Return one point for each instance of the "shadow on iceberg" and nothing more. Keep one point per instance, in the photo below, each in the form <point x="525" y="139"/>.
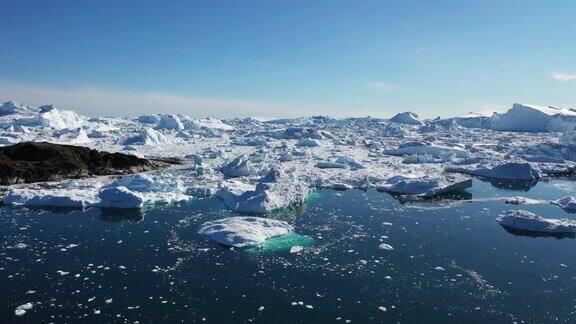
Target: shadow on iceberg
<point x="448" y="196"/>
<point x="526" y="233"/>
<point x="117" y="215"/>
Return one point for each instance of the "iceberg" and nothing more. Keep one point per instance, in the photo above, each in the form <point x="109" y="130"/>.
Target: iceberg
<point x="239" y="167"/>
<point x="244" y="231"/>
<point x="531" y="118"/>
<point x="276" y="190"/>
<point x="527" y="221"/>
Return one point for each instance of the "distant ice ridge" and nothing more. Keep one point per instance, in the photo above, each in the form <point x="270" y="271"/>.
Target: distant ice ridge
<point x="408" y="118"/>
<point x="12" y="113"/>
<point x="443" y="153"/>
<point x="274" y="191"/>
<point x="527" y="221"/>
<point x="244" y="231"/>
<point x="130" y="192"/>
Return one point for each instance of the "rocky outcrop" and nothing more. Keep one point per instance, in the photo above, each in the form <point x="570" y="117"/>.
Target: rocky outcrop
<point x="42" y="161"/>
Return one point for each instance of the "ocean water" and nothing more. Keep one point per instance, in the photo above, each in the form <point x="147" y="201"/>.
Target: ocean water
<point x="451" y="263"/>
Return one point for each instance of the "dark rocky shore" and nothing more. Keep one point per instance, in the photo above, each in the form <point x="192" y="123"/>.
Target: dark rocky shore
<point x="42" y="161"/>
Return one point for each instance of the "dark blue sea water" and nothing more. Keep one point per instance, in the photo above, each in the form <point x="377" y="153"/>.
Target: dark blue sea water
<point x="451" y="263"/>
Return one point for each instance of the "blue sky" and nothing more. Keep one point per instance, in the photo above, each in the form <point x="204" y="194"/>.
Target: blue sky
<point x="287" y="58"/>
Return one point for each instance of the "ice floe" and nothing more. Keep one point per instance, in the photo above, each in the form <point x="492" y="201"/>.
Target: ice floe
<point x="244" y="231"/>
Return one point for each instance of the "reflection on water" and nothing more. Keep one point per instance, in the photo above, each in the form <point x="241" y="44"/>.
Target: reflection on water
<point x="526" y="233"/>
<point x="517" y="185"/>
<point x="367" y="257"/>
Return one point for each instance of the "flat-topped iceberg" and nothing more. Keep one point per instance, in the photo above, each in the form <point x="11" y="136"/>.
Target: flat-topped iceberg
<point x="276" y="190"/>
<point x="522" y="171"/>
<point x="424" y="186"/>
<point x="244" y="231"/>
<point x="527" y="221"/>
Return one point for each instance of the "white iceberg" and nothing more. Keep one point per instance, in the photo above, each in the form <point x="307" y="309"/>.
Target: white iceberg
<point x="527" y="221"/>
<point x="244" y="231"/>
<point x="531" y="118"/>
<point x="276" y="190"/>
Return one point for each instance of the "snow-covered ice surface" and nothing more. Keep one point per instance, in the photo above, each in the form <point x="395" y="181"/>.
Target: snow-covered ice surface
<point x="230" y="157"/>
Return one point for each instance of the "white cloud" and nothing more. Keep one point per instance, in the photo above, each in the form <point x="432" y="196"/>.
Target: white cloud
<point x="563" y="76"/>
<point x="95" y="101"/>
<point x="382" y="86"/>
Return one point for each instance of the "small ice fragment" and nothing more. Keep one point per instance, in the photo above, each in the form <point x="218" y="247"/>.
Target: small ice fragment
<point x="296" y="249"/>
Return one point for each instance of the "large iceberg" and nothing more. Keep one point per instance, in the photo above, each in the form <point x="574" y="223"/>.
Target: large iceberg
<point x="244" y="231"/>
<point x="532" y="118"/>
<point x="527" y="221"/>
<point x="276" y="190"/>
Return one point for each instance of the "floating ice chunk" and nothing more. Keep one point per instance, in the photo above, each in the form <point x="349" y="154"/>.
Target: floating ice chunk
<point x="425" y="186"/>
<point x="439" y="269"/>
<point x="508" y="171"/>
<point x="276" y="190"/>
<point x="525" y="220"/>
<point x="408" y="118"/>
<point x="170" y="122"/>
<point x="21" y="310"/>
<point x="296" y="249"/>
<point x="436" y="151"/>
<point x="148" y="136"/>
<point x="244" y="231"/>
<point x="386" y="247"/>
<point x="567" y="203"/>
<point x="239" y="167"/>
